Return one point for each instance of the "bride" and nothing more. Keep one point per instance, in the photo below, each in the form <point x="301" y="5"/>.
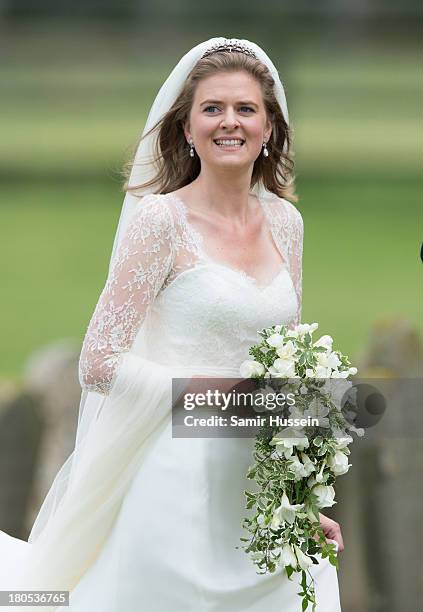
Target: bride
<point x="208" y="251"/>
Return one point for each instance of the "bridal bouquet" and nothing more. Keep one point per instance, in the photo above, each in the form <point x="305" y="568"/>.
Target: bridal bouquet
<point x="295" y="466"/>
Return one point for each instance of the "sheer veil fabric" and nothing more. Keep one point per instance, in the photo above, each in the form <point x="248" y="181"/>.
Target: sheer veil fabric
<point x="125" y="394"/>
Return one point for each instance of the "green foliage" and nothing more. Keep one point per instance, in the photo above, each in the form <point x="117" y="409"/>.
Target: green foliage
<point x="283" y="524"/>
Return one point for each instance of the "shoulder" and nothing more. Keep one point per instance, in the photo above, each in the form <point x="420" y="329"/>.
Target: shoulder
<point x="153" y="213"/>
<point x="150" y="219"/>
<point x="295" y="216"/>
<point x="292" y="212"/>
<point x="285" y="211"/>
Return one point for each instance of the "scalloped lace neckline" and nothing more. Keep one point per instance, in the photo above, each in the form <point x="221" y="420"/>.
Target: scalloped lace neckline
<point x="200" y="243"/>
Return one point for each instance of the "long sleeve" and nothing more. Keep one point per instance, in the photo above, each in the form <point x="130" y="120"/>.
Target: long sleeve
<point x="135" y="403"/>
<point x="296" y="256"/>
<point x="143" y="262"/>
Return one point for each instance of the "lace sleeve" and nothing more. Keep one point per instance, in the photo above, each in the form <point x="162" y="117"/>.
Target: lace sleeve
<point x="143" y="261"/>
<point x="296" y="256"/>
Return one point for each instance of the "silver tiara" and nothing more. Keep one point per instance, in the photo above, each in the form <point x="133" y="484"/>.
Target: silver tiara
<point x="230" y="44"/>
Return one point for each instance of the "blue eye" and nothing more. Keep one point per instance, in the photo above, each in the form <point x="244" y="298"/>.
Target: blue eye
<point x="242" y="109"/>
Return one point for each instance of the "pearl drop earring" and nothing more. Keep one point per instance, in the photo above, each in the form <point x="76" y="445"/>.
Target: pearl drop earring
<point x="265" y="151"/>
<point x="191" y="149"/>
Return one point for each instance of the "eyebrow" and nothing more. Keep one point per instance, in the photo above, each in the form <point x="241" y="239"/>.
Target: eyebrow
<point x="246" y="102"/>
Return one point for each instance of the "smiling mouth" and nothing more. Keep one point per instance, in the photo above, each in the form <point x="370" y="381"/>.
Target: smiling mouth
<point x="235" y="143"/>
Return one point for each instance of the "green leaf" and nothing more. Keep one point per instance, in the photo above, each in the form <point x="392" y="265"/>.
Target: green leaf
<point x="289" y="571"/>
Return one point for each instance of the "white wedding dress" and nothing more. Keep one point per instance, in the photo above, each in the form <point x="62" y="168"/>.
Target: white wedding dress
<point x="169" y="309"/>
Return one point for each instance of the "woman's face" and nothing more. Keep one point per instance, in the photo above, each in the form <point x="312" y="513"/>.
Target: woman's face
<point x="228" y="106"/>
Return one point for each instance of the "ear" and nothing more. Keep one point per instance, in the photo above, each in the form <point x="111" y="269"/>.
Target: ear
<point x="187" y="131"/>
<point x="268" y="130"/>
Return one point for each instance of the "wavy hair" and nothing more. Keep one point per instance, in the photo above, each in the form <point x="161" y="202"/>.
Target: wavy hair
<point x="175" y="167"/>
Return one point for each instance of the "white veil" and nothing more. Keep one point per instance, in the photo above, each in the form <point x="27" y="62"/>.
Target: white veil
<point x="92" y="403"/>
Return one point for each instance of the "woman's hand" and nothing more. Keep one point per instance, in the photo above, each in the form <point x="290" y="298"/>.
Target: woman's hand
<point x="332" y="530"/>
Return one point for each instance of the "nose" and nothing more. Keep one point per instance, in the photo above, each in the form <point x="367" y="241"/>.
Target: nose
<point x="229" y="119"/>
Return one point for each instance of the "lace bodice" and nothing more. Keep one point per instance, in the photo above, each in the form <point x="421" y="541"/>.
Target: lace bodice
<point x="166" y="300"/>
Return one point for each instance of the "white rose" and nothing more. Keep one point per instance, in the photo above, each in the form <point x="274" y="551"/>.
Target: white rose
<point x="325" y="495"/>
<point x="251" y="368"/>
<point x="288" y="556"/>
<point x="352" y="371"/>
<point x="338" y="463"/>
<point x="325" y="341"/>
<point x="283" y="368"/>
<point x="275" y="340"/>
<point x="286" y="351"/>
<point x="304" y="561"/>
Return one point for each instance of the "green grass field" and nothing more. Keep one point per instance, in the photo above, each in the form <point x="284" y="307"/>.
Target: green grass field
<point x="65" y="133"/>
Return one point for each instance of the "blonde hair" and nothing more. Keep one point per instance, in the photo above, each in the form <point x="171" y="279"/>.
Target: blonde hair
<point x="175" y="167"/>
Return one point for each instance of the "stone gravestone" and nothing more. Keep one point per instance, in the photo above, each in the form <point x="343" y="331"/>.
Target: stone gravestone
<point x="51" y="376"/>
<point x="20" y="438"/>
<point x="380" y="498"/>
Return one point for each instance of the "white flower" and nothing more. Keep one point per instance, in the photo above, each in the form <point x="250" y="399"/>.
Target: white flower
<point x="286" y="445"/>
<point x="337" y="389"/>
<point x="322" y="360"/>
<point x="283" y="368"/>
<point x="251" y="368"/>
<point x="339" y="374"/>
<point x="318" y="478"/>
<point x="358" y="430"/>
<point x="342" y="440"/>
<point x="286" y="351"/>
<point x="296" y="467"/>
<point x="308" y="464"/>
<point x="275" y="340"/>
<point x="325" y="495"/>
<point x="303" y="328"/>
<point x="338" y="463"/>
<point x="333" y="361"/>
<point x="352" y="371"/>
<point x="292" y="333"/>
<point x="325" y="341"/>
<point x="288" y="556"/>
<point x="328" y="360"/>
<point x="304" y="561"/>
<point x="322" y="372"/>
<point x="285" y="512"/>
<point x="317" y="410"/>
